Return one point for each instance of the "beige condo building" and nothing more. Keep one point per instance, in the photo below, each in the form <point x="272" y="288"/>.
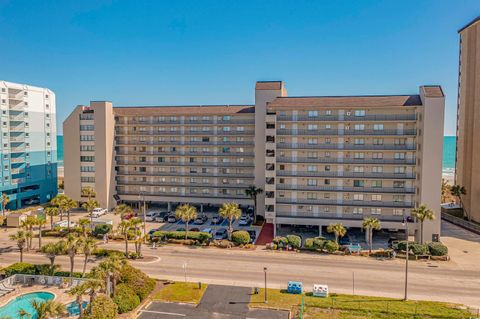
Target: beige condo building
<point x="468" y="118"/>
<point x="319" y="159"/>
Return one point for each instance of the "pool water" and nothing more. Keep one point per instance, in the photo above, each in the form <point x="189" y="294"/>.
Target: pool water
<point x="74" y="310"/>
<point x="23" y="302"/>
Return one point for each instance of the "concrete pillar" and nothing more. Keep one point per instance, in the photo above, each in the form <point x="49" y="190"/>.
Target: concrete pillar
<point x="320" y="230"/>
<point x="274" y="230"/>
<point x="201" y="208"/>
<point x="169" y="206"/>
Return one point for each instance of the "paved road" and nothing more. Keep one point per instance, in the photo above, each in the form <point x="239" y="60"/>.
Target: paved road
<point x="443" y="281"/>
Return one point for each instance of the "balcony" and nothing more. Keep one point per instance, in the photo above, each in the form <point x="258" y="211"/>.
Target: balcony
<point x="179" y="121"/>
<point x="344" y="174"/>
<point x="344" y="216"/>
<point x="333" y="202"/>
<point x="17" y="139"/>
<point x="209" y="143"/>
<point x="186" y="184"/>
<point x="387" y="190"/>
<point x="185" y="132"/>
<point x="17" y="149"/>
<point x="207" y="164"/>
<point x="295" y="132"/>
<point x="189" y="174"/>
<point x="343" y="160"/>
<point x="16" y="160"/>
<point x="350" y="118"/>
<point x="17" y="128"/>
<point x="18" y="180"/>
<point x="218" y="154"/>
<point x="348" y="146"/>
<point x="180" y="195"/>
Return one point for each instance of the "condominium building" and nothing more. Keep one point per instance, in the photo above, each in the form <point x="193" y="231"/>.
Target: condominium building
<point x="29" y="147"/>
<point x="319" y="159"/>
<point x="468" y="118"/>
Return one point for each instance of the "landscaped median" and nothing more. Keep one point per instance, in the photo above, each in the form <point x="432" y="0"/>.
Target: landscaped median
<point x="356" y="307"/>
<point x="183" y="292"/>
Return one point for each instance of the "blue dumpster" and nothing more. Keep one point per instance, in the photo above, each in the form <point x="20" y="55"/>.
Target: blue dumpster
<point x="294" y="287"/>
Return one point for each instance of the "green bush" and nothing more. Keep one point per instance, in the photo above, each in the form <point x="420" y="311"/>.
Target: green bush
<point x="402" y="245"/>
<point x="20" y="268"/>
<point x="281" y="242"/>
<point x="103" y="308"/>
<point x="44" y="269"/>
<point x="199" y="236"/>
<point x="67" y="274"/>
<point x="437" y="249"/>
<point x="319" y="242"/>
<point x="419" y="249"/>
<point x="102" y="229"/>
<point x="137" y="280"/>
<point x="331" y="246"/>
<point x="294" y="241"/>
<point x="309" y="244"/>
<point x="101" y="252"/>
<point x="188" y="242"/>
<point x="125" y="298"/>
<point x="241" y="237"/>
<point x="224" y="243"/>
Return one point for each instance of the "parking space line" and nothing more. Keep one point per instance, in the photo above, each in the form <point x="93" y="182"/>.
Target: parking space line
<point x="165" y="313"/>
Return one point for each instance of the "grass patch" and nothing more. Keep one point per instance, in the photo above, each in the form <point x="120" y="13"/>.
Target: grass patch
<point x="187" y="292"/>
<point x="358" y="307"/>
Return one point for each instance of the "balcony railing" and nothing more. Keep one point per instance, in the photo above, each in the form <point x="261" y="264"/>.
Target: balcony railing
<point x="389" y="190"/>
<point x="18" y="180"/>
<point x="17" y="118"/>
<point x="209" y="143"/>
<point x="334" y="160"/>
<point x="218" y="154"/>
<point x="347" y="146"/>
<point x="186" y="184"/>
<point x="17" y="128"/>
<point x="208" y="164"/>
<point x="178" y="195"/>
<point x="409" y="132"/>
<point x="344" y="216"/>
<point x="185" y="132"/>
<point x="189" y="122"/>
<point x="373" y="117"/>
<point x="333" y="202"/>
<point x="17" y="159"/>
<point x="189" y="174"/>
<point x="345" y="174"/>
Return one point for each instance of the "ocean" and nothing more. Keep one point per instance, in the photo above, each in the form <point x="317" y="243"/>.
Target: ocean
<point x="449" y="146"/>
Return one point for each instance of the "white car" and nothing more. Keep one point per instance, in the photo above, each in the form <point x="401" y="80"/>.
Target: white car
<point x="97" y="212"/>
<point x="64" y="223"/>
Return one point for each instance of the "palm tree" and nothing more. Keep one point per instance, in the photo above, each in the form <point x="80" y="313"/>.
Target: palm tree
<point x="369" y="224"/>
<point x="253" y="192"/>
<point x="89" y="206"/>
<point x="64" y="204"/>
<point x="338" y="230"/>
<point x="135" y="223"/>
<point x="40" y="223"/>
<point x="446" y="191"/>
<point x="122" y="210"/>
<point x="54" y="249"/>
<point x="78" y="292"/>
<point x="422" y="214"/>
<point x="28" y="225"/>
<point x="88" y="192"/>
<point x="109" y="271"/>
<point x="186" y="213"/>
<point x="5" y="201"/>
<point x="22" y="313"/>
<point x="92" y="286"/>
<point x="21" y="239"/>
<point x="51" y="211"/>
<point x="87" y="246"/>
<point x="72" y="245"/>
<point x="123" y="228"/>
<point x="48" y="309"/>
<point x="83" y="222"/>
<point x="230" y="211"/>
<point x="458" y="191"/>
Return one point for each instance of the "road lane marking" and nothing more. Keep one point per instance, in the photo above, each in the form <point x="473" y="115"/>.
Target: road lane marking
<point x="165" y="313"/>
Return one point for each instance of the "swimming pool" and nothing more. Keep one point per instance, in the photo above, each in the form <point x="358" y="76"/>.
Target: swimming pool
<point x="23" y="302"/>
<point x="74" y="310"/>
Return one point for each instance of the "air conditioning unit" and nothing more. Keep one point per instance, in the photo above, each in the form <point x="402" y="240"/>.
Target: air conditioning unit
<point x="349" y="113"/>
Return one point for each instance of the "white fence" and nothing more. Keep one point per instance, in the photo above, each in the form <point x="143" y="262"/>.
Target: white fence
<point x="23" y="279"/>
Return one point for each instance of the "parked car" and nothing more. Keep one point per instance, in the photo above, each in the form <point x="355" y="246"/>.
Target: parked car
<point x="194" y="229"/>
<point x="221" y="234"/>
<point x="217" y="219"/>
<point x="32" y="201"/>
<point x="244" y="221"/>
<point x="253" y="235"/>
<point x="207" y="230"/>
<point x="200" y="220"/>
<point x="64" y="223"/>
<point x="161" y="217"/>
<point x="172" y="218"/>
<point x="150" y="216"/>
<point x="151" y="232"/>
<point x="97" y="212"/>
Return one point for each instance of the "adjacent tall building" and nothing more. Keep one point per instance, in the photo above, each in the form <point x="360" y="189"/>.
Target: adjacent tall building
<point x="468" y="121"/>
<point x="29" y="147"/>
<point x="319" y="159"/>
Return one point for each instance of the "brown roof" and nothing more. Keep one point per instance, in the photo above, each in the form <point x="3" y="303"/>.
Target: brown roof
<point x="183" y="110"/>
<point x="269" y="85"/>
<point x="433" y="91"/>
<point x="347" y="101"/>
<point x="477" y="19"/>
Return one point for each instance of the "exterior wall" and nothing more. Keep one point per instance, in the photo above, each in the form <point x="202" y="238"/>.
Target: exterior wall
<point x="71" y="151"/>
<point x="468" y="121"/>
<point x="28" y="139"/>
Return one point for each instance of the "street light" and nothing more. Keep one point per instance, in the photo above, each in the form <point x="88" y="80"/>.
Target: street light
<point x="265" y="271"/>
<point x="406" y="220"/>
<point x="142" y="196"/>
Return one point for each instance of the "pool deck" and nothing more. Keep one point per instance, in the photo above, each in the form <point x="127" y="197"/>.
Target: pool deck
<point x="61" y="294"/>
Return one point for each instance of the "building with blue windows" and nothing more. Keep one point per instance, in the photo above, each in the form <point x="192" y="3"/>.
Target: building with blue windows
<point x="28" y="142"/>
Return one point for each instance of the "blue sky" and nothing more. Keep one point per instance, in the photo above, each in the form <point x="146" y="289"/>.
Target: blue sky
<point x="211" y="52"/>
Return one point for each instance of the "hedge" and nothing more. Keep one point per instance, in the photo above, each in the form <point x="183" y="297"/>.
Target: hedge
<point x="280" y="241"/>
<point x="294" y="241"/>
<point x="125" y="298"/>
<point x="102" y="229"/>
<point x="331" y="246"/>
<point x="415" y="248"/>
<point x="437" y="249"/>
<point x="41" y="269"/>
<point x="137" y="280"/>
<point x="199" y="236"/>
<point x="103" y="308"/>
<point x="320" y="243"/>
<point x="241" y="237"/>
<point x="101" y="252"/>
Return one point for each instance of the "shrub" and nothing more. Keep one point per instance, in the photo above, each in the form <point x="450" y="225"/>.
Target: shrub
<point x="199" y="236"/>
<point x="309" y="244"/>
<point x="44" y="269"/>
<point x="125" y="298"/>
<point x="319" y="242"/>
<point x="294" y="241"/>
<point x="67" y="274"/>
<point x="224" y="243"/>
<point x="241" y="237"/>
<point x="102" y="229"/>
<point x="437" y="249"/>
<point x="101" y="252"/>
<point x="187" y="242"/>
<point x="331" y="246"/>
<point x="103" y="308"/>
<point x="20" y="268"/>
<point x="402" y="245"/>
<point x="280" y="242"/>
<point x="419" y="249"/>
<point x="137" y="280"/>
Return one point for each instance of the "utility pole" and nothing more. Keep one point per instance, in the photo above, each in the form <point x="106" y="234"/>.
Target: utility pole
<point x="405" y="297"/>
<point x="265" y="271"/>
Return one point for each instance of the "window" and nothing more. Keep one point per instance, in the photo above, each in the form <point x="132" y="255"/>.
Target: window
<point x="359" y="141"/>
<point x="312" y="141"/>
<point x="377" y="169"/>
<point x="87" y="158"/>
<point x="87" y="127"/>
<point x="312" y="113"/>
<point x="358" y="183"/>
<point x="378" y="127"/>
<point x="398" y="212"/>
<point x="358" y="155"/>
<point x="312" y="182"/>
<point x="328" y="126"/>
<point x="358" y="169"/>
<point x="399" y="156"/>
<point x="87" y="148"/>
<point x="328" y="140"/>
<point x="357" y="210"/>
<point x="359" y="127"/>
<point x="312" y="168"/>
<point x="326" y="182"/>
<point x="87" y="168"/>
<point x="399" y="170"/>
<point x="378" y="141"/>
<point x="376" y="198"/>
<point x="377" y="155"/>
<point x="359" y="112"/>
<point x="312" y="155"/>
<point x="226" y="128"/>
<point x="226" y="118"/>
<point x="87" y="179"/>
<point x="312" y="127"/>
<point x="311" y="195"/>
<point x="328" y="112"/>
<point x="358" y="197"/>
<point x="376" y="211"/>
<point x="376" y="184"/>
<point x="398" y="198"/>
<point x="87" y="137"/>
<point x="328" y="168"/>
<point x="398" y="184"/>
